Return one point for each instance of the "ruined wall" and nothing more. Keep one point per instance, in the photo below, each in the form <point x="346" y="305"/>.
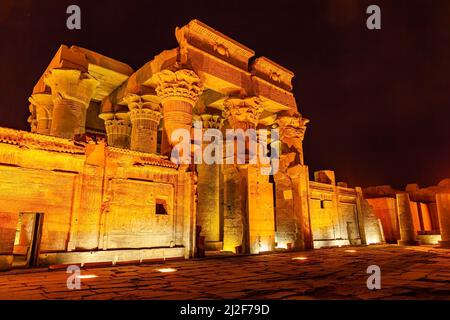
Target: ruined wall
<point x="91" y="198"/>
<point x="40" y="181"/>
<point x="8" y="223"/>
<point x="334" y="215"/>
<point x="340" y="215"/>
<point x="372" y="224"/>
<point x="385" y="210"/>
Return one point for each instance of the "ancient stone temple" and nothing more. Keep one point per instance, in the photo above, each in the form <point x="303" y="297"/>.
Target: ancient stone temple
<point x="93" y="180"/>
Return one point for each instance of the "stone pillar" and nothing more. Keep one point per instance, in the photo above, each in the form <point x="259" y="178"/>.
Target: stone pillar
<point x="248" y="196"/>
<point x="118" y="129"/>
<point x="208" y="189"/>
<point x="292" y="132"/>
<point x="179" y="92"/>
<point x="360" y="214"/>
<point x="41" y="113"/>
<point x="443" y="209"/>
<point x="261" y="214"/>
<point x="72" y="91"/>
<point x="299" y="176"/>
<point x="405" y="220"/>
<point x="292" y="185"/>
<point x="145" y="115"/>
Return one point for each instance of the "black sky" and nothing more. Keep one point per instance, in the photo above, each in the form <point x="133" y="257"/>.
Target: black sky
<point x="379" y="101"/>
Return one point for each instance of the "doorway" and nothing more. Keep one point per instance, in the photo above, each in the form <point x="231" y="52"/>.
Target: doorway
<point x="27" y="240"/>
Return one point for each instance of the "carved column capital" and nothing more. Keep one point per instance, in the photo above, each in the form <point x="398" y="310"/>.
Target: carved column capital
<point x="118" y="129"/>
<point x="145" y="115"/>
<point x="145" y="107"/>
<point x="182" y="84"/>
<point x="71" y="85"/>
<point x="179" y="91"/>
<point x="72" y="91"/>
<point x="210" y="121"/>
<point x="292" y="132"/>
<point x="41" y="110"/>
<point x="242" y="113"/>
<point x="292" y="128"/>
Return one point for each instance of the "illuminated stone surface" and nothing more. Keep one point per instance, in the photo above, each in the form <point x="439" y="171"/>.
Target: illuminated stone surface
<point x="95" y="176"/>
<point x="443" y="206"/>
<point x="405" y="221"/>
<point x="407" y="273"/>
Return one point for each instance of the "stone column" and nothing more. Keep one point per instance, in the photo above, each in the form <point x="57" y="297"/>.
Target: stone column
<point x="405" y="220"/>
<point x="72" y="91"/>
<point x="294" y="219"/>
<point x="299" y="176"/>
<point x="179" y="92"/>
<point x="41" y="113"/>
<point x="118" y="129"/>
<point x="248" y="199"/>
<point x="208" y="189"/>
<point x="292" y="132"/>
<point x="443" y="209"/>
<point x="145" y="115"/>
<point x="360" y="214"/>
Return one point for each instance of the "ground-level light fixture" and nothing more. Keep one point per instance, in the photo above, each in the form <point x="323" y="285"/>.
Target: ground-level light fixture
<point x="166" y="270"/>
<point x="87" y="276"/>
<point x="300" y="258"/>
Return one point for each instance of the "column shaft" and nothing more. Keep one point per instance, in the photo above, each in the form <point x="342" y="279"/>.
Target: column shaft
<point x="443" y="208"/>
<point x="405" y="219"/>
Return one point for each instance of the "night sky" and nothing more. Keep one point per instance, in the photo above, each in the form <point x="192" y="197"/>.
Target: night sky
<point x="378" y="101"/>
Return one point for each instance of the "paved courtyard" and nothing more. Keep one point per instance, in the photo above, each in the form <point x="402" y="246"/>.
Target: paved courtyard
<point x="338" y="273"/>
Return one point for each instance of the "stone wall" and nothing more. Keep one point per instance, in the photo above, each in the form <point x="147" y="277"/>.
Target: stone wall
<point x="385" y="209"/>
<point x="92" y="197"/>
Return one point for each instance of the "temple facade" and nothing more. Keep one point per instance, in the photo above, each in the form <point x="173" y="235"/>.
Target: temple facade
<point x="93" y="181"/>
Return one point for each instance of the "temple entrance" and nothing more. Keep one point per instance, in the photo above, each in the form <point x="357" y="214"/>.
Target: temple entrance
<point x="27" y="240"/>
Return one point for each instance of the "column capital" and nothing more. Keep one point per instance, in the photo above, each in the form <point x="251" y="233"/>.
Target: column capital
<point x="41" y="109"/>
<point x="143" y="106"/>
<point x="72" y="91"/>
<point x="291" y="133"/>
<point x="242" y="113"/>
<point x="145" y="115"/>
<point x="292" y="128"/>
<point x="210" y="121"/>
<point x="182" y="84"/>
<point x="70" y="84"/>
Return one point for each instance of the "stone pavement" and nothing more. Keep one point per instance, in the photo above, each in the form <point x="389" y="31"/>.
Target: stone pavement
<point x="338" y="273"/>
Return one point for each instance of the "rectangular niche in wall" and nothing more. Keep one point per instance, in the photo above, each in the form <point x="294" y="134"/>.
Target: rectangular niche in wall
<point x="161" y="207"/>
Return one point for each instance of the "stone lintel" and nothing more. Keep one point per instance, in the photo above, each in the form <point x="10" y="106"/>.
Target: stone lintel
<point x="272" y="72"/>
<point x="227" y="79"/>
<point x="110" y="73"/>
<point x="142" y="81"/>
<point x="203" y="37"/>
